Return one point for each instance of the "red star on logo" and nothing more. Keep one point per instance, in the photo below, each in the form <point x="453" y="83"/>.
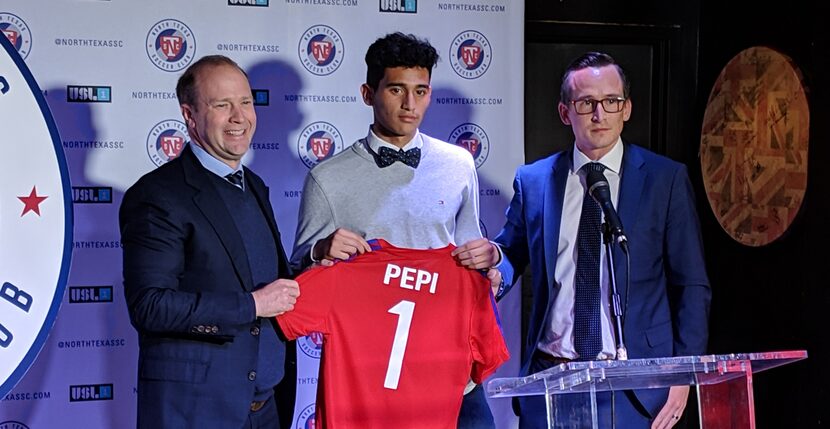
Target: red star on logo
<point x="32" y="202"/>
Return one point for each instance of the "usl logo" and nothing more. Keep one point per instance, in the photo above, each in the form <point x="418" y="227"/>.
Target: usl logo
<point x="262" y="97"/>
<point x="90" y="392"/>
<point x="470" y="54"/>
<point x="399" y="6"/>
<point x="321" y="50"/>
<point x="262" y="3"/>
<point x="88" y="94"/>
<point x="92" y="194"/>
<point x="87" y="294"/>
<point x="170" y="44"/>
<point x="12" y="425"/>
<point x="318" y="141"/>
<point x="473" y="138"/>
<point x="166" y="141"/>
<point x="16" y="32"/>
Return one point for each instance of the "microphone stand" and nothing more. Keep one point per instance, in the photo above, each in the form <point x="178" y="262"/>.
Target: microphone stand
<point x="616" y="309"/>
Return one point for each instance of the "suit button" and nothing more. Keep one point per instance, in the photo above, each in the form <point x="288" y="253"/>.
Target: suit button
<point x="201" y="329"/>
<point x="255" y="331"/>
<point x="252" y="375"/>
<point x="214" y="329"/>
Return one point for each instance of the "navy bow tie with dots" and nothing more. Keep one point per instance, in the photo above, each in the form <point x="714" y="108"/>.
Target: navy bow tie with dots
<point x="387" y="156"/>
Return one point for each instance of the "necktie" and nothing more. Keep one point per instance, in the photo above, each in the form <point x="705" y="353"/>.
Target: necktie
<point x="236" y="179"/>
<point x="587" y="328"/>
<point x="387" y="156"/>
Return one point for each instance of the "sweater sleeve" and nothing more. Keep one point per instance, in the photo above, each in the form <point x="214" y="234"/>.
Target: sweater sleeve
<point x="467" y="220"/>
<point x="315" y="220"/>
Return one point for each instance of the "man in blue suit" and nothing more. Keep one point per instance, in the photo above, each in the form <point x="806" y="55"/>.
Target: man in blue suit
<point x="205" y="271"/>
<point x="667" y="304"/>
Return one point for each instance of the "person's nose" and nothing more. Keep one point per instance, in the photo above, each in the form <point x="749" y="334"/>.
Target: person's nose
<point x="236" y="114"/>
<point x="408" y="101"/>
<point x="598" y="114"/>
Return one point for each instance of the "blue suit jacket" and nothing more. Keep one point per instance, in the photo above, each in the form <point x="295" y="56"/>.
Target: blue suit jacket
<point x="667" y="310"/>
<point x="187" y="282"/>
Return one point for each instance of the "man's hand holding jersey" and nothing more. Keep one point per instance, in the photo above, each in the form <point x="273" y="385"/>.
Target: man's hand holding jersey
<point x="341" y="244"/>
<point x="276" y="297"/>
<point x="480" y="254"/>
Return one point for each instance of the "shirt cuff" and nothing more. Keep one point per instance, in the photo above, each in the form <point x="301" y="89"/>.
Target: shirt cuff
<point x="311" y="254"/>
<point x="252" y="305"/>
<point x="501" y="255"/>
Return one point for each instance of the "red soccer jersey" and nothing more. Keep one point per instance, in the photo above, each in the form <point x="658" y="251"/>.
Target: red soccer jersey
<point x="403" y="331"/>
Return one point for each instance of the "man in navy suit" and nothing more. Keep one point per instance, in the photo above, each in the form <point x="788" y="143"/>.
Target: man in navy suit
<point x="205" y="271"/>
<point x="667" y="304"/>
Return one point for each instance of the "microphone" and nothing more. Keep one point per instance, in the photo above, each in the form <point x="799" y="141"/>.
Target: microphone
<point x="599" y="189"/>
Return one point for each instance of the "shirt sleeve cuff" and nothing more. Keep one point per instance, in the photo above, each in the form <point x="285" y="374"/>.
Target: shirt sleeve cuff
<point x="252" y="305"/>
<point x="311" y="254"/>
<point x="501" y="255"/>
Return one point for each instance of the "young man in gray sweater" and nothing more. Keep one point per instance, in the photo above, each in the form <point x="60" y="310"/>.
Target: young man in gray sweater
<point x="397" y="184"/>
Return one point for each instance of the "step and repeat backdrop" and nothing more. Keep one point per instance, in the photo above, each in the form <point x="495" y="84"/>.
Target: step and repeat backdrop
<point x="108" y="71"/>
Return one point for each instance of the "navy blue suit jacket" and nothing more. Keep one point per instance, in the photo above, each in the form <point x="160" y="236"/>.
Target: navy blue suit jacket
<point x="667" y="310"/>
<point x="187" y="283"/>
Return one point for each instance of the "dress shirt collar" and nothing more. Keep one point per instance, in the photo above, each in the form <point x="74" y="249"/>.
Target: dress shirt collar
<point x="611" y="160"/>
<point x="212" y="164"/>
<point x="376" y="142"/>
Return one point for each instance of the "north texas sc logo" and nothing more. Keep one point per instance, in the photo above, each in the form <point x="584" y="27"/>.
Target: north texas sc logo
<point x="307" y="418"/>
<point x="171" y="45"/>
<point x="473" y="138"/>
<point x="16" y="32"/>
<point x="470" y="54"/>
<point x="35" y="219"/>
<point x="12" y="425"/>
<point x="318" y="141"/>
<point x="166" y="141"/>
<point x="321" y="50"/>
<point x="311" y="345"/>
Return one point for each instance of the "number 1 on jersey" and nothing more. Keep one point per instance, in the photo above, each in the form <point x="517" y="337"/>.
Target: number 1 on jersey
<point x="404" y="310"/>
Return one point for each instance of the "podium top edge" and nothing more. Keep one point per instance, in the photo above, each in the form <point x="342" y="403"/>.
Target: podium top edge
<point x="576" y="372"/>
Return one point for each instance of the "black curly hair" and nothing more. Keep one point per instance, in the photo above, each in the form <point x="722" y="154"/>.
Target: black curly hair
<point x="398" y="50"/>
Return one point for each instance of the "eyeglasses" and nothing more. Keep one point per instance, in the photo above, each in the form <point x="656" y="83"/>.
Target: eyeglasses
<point x="586" y="106"/>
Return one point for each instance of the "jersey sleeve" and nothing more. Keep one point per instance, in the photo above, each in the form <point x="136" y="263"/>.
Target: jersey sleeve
<point x="311" y="312"/>
<point x="486" y="339"/>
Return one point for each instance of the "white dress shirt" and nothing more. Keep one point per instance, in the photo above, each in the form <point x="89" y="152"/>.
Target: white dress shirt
<point x="557" y="339"/>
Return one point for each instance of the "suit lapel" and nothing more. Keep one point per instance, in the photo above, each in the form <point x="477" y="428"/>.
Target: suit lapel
<point x="632" y="183"/>
<point x="554" y="198"/>
<point x="210" y="204"/>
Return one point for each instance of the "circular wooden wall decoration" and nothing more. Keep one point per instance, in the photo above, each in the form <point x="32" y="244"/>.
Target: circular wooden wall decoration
<point x="753" y="147"/>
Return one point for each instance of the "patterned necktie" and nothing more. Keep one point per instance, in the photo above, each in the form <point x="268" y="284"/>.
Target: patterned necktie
<point x="236" y="179"/>
<point x="387" y="156"/>
<point x="587" y="328"/>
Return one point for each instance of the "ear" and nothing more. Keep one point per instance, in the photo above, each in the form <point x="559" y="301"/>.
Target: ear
<point x="627" y="109"/>
<point x="187" y="114"/>
<point x="563" y="113"/>
<point x="368" y="94"/>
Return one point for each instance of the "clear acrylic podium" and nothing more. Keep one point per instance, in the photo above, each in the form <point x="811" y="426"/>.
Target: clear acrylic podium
<point x="723" y="382"/>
